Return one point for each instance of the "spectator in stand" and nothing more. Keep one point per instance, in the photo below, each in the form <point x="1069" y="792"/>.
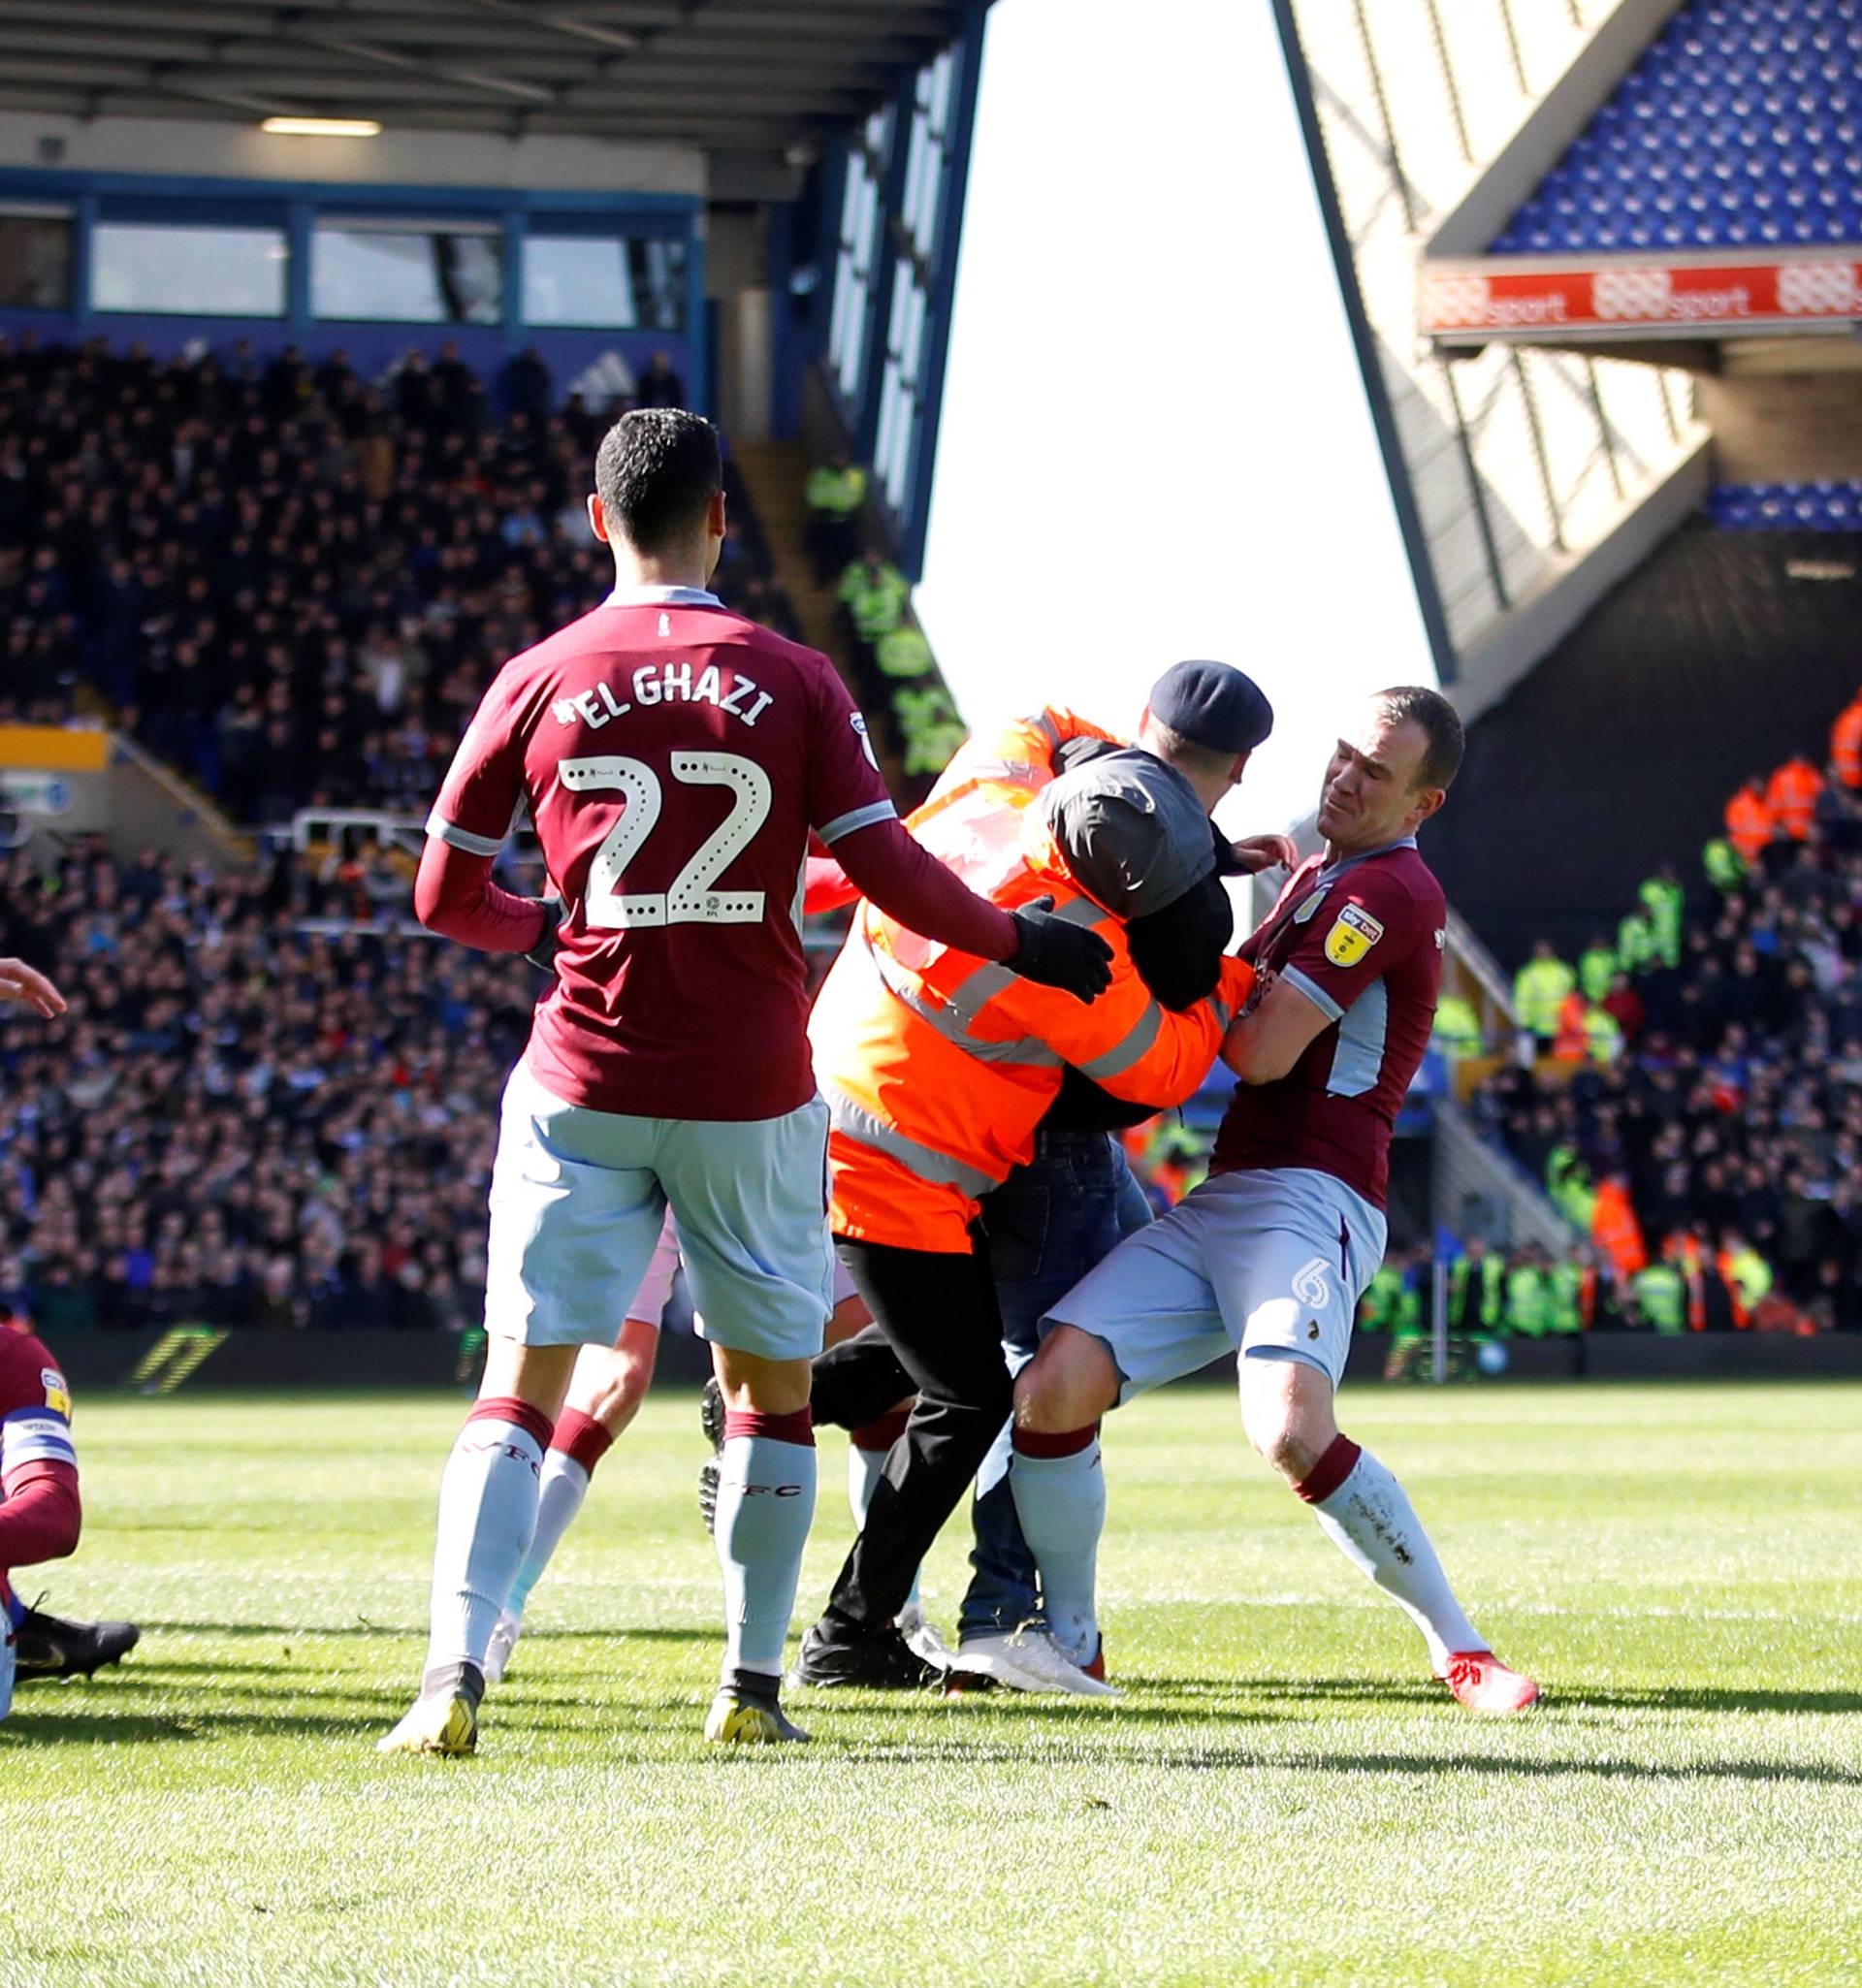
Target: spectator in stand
<point x="1725" y="868"/>
<point x="903" y="653"/>
<point x="1665" y="905"/>
<point x="1846" y="744"/>
<point x="1750" y="821"/>
<point x="1476" y="1289"/>
<point x="874" y="593"/>
<point x="835" y="493"/>
<point x="1791" y="797"/>
<point x="660" y="385"/>
<point x="527" y="388"/>
<point x="1624" y="1006"/>
<point x="1458" y="1027"/>
<point x="1596" y="968"/>
<point x="1539" y="990"/>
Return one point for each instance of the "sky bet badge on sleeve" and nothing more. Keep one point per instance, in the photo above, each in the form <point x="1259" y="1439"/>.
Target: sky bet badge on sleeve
<point x="1354" y="932"/>
<point x="57" y="1395"/>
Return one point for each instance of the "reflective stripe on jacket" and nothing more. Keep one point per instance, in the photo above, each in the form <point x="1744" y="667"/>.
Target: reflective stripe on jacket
<point x="937" y="1067"/>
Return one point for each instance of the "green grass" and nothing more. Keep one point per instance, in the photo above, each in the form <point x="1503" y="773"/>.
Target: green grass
<point x="1281" y="1798"/>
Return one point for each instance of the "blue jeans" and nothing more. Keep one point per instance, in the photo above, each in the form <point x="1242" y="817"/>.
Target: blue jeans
<point x="1048" y="1225"/>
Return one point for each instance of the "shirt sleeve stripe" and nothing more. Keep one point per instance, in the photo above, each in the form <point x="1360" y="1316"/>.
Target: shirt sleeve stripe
<point x="858" y="817"/>
<point x="1313" y="992"/>
<point x="439" y="829"/>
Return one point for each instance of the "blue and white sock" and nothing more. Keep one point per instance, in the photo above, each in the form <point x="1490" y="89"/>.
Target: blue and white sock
<point x="1060" y="1500"/>
<point x="486" y="1514"/>
<point x="577" y="1446"/>
<point x="765" y="1505"/>
<point x="1368" y="1516"/>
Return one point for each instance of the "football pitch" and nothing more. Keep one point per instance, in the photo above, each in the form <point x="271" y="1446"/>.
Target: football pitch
<point x="1282" y="1797"/>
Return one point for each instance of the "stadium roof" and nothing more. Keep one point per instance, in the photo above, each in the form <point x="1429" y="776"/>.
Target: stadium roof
<point x="737" y="75"/>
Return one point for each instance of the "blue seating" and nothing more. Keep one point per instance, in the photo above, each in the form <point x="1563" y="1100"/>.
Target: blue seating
<point x="1740" y="127"/>
<point x="1786" y="506"/>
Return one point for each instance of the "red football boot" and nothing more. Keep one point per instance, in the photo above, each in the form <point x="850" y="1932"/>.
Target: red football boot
<point x="1480" y="1681"/>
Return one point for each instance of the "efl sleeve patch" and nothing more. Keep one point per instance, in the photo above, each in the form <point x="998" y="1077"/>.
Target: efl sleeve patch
<point x="1354" y="932"/>
<point x="57" y="1395"/>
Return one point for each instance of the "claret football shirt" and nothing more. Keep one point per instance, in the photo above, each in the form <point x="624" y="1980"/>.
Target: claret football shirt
<point x="1363" y="940"/>
<point x="35" y="1428"/>
<point x="674" y="758"/>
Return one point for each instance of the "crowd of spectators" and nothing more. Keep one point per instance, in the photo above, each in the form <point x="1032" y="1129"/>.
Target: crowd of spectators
<point x="246" y="1120"/>
<point x="1713" y="1124"/>
<point x="290" y="582"/>
<point x="272" y="1104"/>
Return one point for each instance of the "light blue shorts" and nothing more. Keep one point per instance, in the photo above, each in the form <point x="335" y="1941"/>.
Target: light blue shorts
<point x="1271" y="1262"/>
<point x="578" y="1198"/>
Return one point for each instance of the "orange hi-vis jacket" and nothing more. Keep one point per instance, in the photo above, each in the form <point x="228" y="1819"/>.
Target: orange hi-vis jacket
<point x="937" y="1066"/>
<point x="1845" y="742"/>
<point x="1615" y="1229"/>
<point x="1749" y="822"/>
<point x="1792" y="795"/>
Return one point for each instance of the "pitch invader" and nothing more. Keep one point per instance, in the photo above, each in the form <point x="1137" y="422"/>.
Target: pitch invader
<point x="1271" y="1255"/>
<point x="674" y="758"/>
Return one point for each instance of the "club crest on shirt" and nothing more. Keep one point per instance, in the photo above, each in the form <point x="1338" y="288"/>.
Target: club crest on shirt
<point x="57" y="1395"/>
<point x="1354" y="932"/>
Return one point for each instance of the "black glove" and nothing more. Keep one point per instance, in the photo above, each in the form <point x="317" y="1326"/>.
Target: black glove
<point x="1052" y="954"/>
<point x="542" y="955"/>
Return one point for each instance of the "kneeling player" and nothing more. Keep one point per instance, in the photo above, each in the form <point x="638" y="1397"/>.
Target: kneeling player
<point x="40" y="1515"/>
<point x="1272" y="1254"/>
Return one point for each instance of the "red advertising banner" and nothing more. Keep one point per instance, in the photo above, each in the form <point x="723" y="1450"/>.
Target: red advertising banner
<point x="1509" y="298"/>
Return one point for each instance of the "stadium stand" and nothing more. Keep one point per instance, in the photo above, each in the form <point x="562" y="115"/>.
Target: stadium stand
<point x="1740" y="127"/>
<point x="1721" y="656"/>
<point x="292" y="583"/>
<point x="254" y="1116"/>
<point x="272" y="1104"/>
<point x="1725" y="1100"/>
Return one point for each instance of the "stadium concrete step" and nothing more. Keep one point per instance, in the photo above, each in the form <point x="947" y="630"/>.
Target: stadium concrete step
<point x="774" y="473"/>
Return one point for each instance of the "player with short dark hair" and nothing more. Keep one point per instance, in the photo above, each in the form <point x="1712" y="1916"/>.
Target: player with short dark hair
<point x="1271" y="1255"/>
<point x="675" y="758"/>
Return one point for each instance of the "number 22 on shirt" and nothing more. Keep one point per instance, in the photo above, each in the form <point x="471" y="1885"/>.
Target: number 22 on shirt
<point x="692" y="898"/>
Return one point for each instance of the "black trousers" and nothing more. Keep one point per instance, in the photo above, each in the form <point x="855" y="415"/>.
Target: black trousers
<point x="939" y="1318"/>
<point x="858" y="1381"/>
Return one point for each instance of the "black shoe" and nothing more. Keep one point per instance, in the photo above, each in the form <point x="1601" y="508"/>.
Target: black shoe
<point x="872" y="1660"/>
<point x="49" y="1647"/>
<point x="711" y="1419"/>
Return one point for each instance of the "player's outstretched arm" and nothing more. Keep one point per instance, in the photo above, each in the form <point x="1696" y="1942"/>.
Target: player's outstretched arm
<point x="454" y="896"/>
<point x="28" y="988"/>
<point x="892" y="868"/>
